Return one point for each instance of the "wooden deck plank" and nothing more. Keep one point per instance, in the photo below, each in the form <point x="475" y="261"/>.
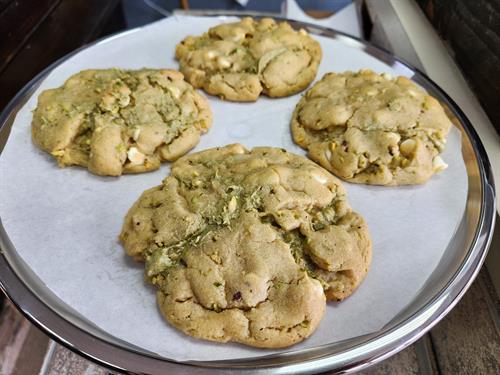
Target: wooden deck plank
<point x="13" y="332"/>
<point x="22" y="345"/>
<point x="403" y="363"/>
<point x="467" y="341"/>
<point x="33" y="352"/>
<point x="65" y="362"/>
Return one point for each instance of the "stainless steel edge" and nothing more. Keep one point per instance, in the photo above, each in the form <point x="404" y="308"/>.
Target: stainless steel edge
<point x="389" y="32"/>
<point x="71" y="330"/>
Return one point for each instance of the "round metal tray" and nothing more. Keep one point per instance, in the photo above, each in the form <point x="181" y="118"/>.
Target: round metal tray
<point x="448" y="282"/>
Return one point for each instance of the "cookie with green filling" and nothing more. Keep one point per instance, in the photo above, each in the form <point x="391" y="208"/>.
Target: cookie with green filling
<point x="238" y="61"/>
<point x="116" y="121"/>
<point x="244" y="246"/>
<point x="371" y="128"/>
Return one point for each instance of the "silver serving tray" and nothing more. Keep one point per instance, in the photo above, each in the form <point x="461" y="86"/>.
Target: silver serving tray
<point x="446" y="285"/>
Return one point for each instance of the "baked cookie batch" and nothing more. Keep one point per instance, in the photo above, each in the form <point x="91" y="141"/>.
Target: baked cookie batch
<point x="246" y="245"/>
<point x="370" y="128"/>
<point x="116" y="121"/>
<point x="239" y="61"/>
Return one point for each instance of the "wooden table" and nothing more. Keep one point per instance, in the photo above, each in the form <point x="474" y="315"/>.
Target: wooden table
<point x="466" y="341"/>
<point x="33" y="34"/>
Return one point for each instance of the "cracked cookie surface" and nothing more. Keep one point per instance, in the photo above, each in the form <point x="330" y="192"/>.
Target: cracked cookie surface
<point x="238" y="61"/>
<point x="120" y="121"/>
<point x="370" y="128"/>
<point x="245" y="245"/>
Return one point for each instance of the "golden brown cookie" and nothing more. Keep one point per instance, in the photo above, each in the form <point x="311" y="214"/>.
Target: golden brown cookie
<point x="370" y="128"/>
<point x="120" y="121"/>
<point x="240" y="60"/>
<point x="244" y="245"/>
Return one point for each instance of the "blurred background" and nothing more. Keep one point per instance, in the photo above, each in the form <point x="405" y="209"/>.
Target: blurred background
<point x="35" y="33"/>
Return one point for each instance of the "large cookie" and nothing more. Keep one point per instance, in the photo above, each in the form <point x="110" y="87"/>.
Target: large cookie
<point x="244" y="245"/>
<point x="370" y="128"/>
<point x="238" y="61"/>
<point x="120" y="121"/>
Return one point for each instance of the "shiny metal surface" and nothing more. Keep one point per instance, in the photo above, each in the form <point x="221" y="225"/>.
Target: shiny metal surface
<point x="449" y="281"/>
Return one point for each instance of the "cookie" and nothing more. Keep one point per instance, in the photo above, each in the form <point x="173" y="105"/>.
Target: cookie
<point x="238" y="61"/>
<point x="120" y="121"/>
<point x="245" y="245"/>
<point x="373" y="129"/>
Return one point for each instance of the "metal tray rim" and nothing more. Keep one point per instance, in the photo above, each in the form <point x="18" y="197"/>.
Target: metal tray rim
<point x="351" y="359"/>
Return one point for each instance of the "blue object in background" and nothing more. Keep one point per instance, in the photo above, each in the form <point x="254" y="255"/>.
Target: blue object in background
<point x="141" y="12"/>
<point x="328" y="5"/>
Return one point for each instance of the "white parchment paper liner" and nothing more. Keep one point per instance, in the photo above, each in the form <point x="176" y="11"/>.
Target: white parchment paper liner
<point x="65" y="222"/>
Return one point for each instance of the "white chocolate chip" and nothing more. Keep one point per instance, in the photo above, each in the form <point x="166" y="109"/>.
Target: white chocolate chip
<point x="124" y="101"/>
<point x="135" y="156"/>
<point x="210" y="54"/>
<point x="412" y="93"/>
<point x="175" y="91"/>
<point x="135" y="136"/>
<point x="232" y="205"/>
<point x="407" y="147"/>
<point x="438" y="164"/>
<point x="328" y="155"/>
<point x="440" y="143"/>
<point x="439" y="140"/>
<point x="395" y="137"/>
<point x="57" y="153"/>
<point x="386" y="76"/>
<point x="321" y="178"/>
<point x="223" y="62"/>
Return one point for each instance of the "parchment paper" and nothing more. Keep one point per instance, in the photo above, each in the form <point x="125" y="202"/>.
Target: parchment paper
<point x="65" y="222"/>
